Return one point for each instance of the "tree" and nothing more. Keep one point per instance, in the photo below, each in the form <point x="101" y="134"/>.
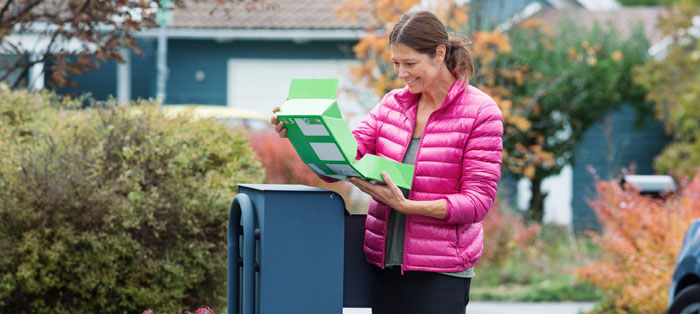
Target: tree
<point x="551" y="86"/>
<point x="674" y="86"/>
<point x="96" y="30"/>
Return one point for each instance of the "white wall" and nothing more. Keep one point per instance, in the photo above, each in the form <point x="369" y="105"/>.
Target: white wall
<point x="263" y="84"/>
<point x="557" y="205"/>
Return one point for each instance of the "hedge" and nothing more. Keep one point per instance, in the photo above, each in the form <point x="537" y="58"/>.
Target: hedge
<point x="113" y="209"/>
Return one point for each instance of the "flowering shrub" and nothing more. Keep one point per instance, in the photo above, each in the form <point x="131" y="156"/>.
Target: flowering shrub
<point x="200" y="310"/>
<point x="503" y="232"/>
<point x="640" y="239"/>
<point x="284" y="166"/>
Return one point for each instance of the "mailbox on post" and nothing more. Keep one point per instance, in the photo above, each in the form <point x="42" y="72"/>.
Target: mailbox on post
<point x="654" y="185"/>
<point x="294" y="249"/>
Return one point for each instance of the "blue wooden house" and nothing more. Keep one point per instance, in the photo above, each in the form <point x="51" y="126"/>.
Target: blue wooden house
<point x="235" y="58"/>
<point x="246" y="60"/>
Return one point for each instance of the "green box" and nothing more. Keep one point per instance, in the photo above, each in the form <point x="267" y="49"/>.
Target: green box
<point x="316" y="129"/>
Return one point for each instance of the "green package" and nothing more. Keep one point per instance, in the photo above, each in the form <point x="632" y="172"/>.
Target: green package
<point x="316" y="129"/>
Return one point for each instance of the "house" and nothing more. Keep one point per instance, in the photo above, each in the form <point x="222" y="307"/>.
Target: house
<point x="238" y="58"/>
<point x="489" y="14"/>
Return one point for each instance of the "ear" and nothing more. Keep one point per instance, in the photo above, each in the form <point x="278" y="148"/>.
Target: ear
<point x="440" y="52"/>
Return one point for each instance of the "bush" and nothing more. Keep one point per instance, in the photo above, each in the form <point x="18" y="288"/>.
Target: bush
<point x="504" y="231"/>
<point x="113" y="209"/>
<point x="530" y="262"/>
<point x="640" y="239"/>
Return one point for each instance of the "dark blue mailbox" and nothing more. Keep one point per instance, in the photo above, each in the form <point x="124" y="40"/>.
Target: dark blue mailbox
<point x="290" y="252"/>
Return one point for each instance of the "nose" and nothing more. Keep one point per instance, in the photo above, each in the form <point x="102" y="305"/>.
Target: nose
<point x="401" y="72"/>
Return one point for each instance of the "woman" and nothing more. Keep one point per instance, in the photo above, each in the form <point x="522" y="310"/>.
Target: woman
<point x="426" y="241"/>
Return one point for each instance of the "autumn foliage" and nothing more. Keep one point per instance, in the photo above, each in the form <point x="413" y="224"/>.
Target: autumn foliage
<point x="504" y="231"/>
<point x="283" y="165"/>
<point x="640" y="239"/>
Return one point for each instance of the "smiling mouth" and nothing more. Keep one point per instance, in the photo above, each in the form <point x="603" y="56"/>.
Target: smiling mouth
<point x="411" y="81"/>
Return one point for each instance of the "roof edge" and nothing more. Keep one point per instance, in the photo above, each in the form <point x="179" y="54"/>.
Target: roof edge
<point x="260" y="34"/>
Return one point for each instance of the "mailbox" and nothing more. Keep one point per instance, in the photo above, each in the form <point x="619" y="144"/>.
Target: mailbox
<point x="294" y="249"/>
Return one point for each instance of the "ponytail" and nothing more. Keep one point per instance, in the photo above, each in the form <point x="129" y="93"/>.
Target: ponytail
<point x="459" y="59"/>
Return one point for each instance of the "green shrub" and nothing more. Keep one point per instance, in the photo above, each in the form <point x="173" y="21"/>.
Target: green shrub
<point x="113" y="209"/>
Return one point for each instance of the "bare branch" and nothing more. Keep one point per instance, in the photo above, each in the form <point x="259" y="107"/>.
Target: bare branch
<point x="3" y="11"/>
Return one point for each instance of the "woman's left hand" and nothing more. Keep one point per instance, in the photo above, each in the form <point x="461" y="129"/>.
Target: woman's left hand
<point x="388" y="193"/>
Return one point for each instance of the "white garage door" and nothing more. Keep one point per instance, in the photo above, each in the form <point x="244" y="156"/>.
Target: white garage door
<point x="262" y="84"/>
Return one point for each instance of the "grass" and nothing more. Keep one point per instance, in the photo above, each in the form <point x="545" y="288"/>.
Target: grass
<point x="541" y="272"/>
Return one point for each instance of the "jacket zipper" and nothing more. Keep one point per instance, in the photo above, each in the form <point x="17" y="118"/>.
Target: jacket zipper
<point x="410" y="192"/>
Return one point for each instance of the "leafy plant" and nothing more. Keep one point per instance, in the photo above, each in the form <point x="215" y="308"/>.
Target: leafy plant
<point x="504" y="231"/>
<point x="673" y="80"/>
<point x="552" y="86"/>
<point x="530" y="262"/>
<point x="639" y="241"/>
<point x="113" y="208"/>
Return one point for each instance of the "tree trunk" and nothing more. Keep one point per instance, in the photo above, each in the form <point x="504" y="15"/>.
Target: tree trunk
<point x="536" y="211"/>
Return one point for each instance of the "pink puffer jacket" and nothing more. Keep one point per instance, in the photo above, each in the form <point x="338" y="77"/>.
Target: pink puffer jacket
<point x="459" y="160"/>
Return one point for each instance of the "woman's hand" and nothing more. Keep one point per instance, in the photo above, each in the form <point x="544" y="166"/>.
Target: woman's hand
<point x="388" y="193"/>
<point x="279" y="125"/>
<point x="391" y="195"/>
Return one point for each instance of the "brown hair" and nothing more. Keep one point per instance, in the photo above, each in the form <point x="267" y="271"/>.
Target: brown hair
<point x="424" y="32"/>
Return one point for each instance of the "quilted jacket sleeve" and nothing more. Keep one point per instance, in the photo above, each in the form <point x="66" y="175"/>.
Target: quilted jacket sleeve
<point x="481" y="169"/>
<point x="366" y="132"/>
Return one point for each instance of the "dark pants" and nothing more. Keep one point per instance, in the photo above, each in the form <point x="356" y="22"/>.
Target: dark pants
<point x="417" y="292"/>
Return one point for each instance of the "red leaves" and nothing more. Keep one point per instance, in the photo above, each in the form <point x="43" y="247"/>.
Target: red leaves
<point x="200" y="310"/>
<point x="204" y="310"/>
<point x="640" y="239"/>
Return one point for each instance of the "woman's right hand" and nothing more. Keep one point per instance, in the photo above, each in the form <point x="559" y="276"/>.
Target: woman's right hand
<point x="279" y="125"/>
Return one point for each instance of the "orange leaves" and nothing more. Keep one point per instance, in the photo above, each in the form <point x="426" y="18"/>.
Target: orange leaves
<point x="350" y="9"/>
<point x="374" y="70"/>
<point x="525" y="159"/>
<point x="640" y="239"/>
<point x="519" y="122"/>
<point x="617" y="55"/>
<point x="455" y="16"/>
<point x="487" y="45"/>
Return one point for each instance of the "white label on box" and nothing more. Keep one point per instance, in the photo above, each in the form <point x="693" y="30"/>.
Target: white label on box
<point x="317" y="169"/>
<point x="327" y="151"/>
<point x="343" y="169"/>
<point x="310" y="128"/>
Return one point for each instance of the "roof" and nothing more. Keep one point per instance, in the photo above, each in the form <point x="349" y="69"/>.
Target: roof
<point x="624" y="19"/>
<point x="289" y="15"/>
<point x="596" y="5"/>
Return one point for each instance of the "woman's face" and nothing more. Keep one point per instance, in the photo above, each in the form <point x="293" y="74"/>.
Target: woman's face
<point x="416" y="69"/>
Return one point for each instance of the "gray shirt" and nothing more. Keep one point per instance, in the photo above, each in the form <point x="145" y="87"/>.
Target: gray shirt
<point x="397" y="224"/>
